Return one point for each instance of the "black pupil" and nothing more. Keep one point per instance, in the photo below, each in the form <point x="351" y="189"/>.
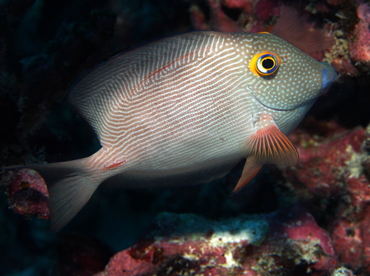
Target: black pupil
<point x="268" y="63"/>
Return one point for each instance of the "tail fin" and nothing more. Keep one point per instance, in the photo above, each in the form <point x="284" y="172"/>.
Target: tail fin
<point x="70" y="187"/>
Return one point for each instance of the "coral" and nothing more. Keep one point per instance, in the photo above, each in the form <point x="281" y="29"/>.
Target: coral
<point x="27" y="193"/>
<point x="229" y="15"/>
<point x="324" y="162"/>
<point x="351" y="233"/>
<point x="351" y="52"/>
<point x="283" y="243"/>
<point x="349" y="26"/>
<point x="182" y="243"/>
<point x="359" y="46"/>
<point x="339" y="55"/>
<point x="218" y="19"/>
<point x="342" y="271"/>
<point x="334" y="173"/>
<point x="292" y="24"/>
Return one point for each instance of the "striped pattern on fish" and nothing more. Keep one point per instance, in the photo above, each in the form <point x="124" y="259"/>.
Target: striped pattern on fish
<point x="157" y="111"/>
<point x="186" y="109"/>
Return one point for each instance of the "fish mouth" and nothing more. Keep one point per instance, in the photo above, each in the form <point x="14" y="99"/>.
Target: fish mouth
<point x="328" y="75"/>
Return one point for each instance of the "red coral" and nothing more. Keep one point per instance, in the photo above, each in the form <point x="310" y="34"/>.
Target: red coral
<point x="351" y="51"/>
<point x="218" y="19"/>
<point x="351" y="233"/>
<point x="258" y="15"/>
<point x="28" y="194"/>
<point x="165" y="258"/>
<point x="344" y="66"/>
<point x="245" y="5"/>
<point x="347" y="238"/>
<point x="264" y="9"/>
<point x="352" y="241"/>
<point x="294" y="244"/>
<point x="323" y="162"/>
<point x="304" y="235"/>
<point x="336" y="167"/>
<point x="359" y="46"/>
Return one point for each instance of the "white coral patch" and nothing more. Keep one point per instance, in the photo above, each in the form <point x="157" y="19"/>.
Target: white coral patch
<point x="354" y="164"/>
<point x="253" y="231"/>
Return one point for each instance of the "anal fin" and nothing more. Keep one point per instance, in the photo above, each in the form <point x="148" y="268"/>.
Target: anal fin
<point x="250" y="170"/>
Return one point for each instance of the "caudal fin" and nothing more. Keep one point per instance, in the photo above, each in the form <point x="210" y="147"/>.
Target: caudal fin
<point x="70" y="187"/>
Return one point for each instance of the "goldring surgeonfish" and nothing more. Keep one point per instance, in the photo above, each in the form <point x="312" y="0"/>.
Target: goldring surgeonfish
<point x="185" y="110"/>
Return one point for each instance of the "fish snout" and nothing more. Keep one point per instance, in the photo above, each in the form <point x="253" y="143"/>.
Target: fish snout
<point x="328" y="76"/>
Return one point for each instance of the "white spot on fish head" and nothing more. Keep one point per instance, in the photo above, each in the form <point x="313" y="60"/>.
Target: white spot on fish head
<point x="298" y="80"/>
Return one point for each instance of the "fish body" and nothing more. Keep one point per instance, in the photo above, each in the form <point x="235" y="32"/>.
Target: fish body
<point x="185" y="110"/>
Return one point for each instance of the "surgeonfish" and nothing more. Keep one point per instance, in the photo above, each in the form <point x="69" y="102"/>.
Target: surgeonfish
<point x="185" y="110"/>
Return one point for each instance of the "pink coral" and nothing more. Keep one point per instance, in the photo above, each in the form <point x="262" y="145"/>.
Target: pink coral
<point x="351" y="52"/>
<point x="282" y="243"/>
<point x="360" y="46"/>
<point x="335" y="166"/>
<point x="245" y="5"/>
<point x="258" y="15"/>
<point x="28" y="194"/>
<point x="264" y="9"/>
<point x="351" y="233"/>
<point x="314" y="243"/>
<point x="323" y="162"/>
<point x="218" y="19"/>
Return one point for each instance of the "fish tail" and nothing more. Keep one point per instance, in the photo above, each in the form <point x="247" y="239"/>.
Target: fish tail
<point x="70" y="186"/>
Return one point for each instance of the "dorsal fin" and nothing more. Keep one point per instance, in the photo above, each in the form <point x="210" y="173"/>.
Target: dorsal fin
<point x="102" y="95"/>
<point x="294" y="28"/>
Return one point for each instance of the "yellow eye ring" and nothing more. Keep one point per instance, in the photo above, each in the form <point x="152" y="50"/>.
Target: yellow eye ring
<point x="264" y="64"/>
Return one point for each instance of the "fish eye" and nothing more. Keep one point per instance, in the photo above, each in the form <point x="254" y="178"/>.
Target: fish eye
<point x="264" y="64"/>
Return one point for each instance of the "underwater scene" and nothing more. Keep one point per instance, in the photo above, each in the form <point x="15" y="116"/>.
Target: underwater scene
<point x="187" y="137"/>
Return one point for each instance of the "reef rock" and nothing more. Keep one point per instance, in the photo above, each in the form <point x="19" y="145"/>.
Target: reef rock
<point x="287" y="242"/>
<point x="28" y="194"/>
<point x="334" y="175"/>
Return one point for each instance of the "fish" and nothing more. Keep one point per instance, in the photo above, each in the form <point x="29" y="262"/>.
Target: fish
<point x="184" y="110"/>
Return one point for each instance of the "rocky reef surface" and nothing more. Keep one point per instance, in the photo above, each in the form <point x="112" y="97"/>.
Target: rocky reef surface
<point x="286" y="242"/>
<point x="309" y="219"/>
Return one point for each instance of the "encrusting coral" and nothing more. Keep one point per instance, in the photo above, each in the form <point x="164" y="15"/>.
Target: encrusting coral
<point x="184" y="244"/>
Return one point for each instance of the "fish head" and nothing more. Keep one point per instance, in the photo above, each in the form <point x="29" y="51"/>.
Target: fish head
<point x="282" y="77"/>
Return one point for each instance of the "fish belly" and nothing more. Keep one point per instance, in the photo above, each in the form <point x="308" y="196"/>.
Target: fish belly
<point x="135" y="177"/>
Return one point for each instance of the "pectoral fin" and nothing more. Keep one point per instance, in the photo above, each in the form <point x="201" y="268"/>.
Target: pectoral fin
<point x="270" y="145"/>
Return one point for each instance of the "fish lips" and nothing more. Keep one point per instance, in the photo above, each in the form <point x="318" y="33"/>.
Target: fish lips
<point x="328" y="76"/>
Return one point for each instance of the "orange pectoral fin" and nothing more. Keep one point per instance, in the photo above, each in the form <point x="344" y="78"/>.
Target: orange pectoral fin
<point x="270" y="145"/>
<point x="250" y="170"/>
